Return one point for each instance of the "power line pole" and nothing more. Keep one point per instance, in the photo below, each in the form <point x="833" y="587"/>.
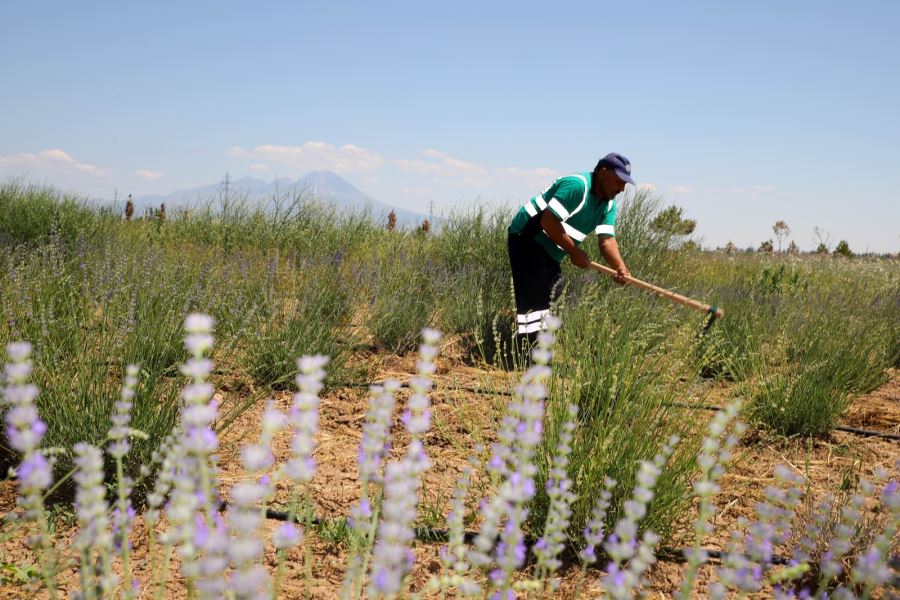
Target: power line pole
<point x="226" y="184"/>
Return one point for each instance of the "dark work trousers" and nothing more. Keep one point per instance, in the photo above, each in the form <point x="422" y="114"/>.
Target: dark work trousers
<point x="536" y="278"/>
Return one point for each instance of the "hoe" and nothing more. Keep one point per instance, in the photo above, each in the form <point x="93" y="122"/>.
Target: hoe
<point x="714" y="311"/>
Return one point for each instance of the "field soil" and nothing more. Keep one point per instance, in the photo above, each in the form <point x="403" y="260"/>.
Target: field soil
<point x="465" y="417"/>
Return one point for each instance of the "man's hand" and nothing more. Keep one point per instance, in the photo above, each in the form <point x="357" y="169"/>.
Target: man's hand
<point x="621" y="275"/>
<point x="579" y="258"/>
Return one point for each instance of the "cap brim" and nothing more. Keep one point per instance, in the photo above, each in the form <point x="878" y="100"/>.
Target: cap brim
<point x="624" y="176"/>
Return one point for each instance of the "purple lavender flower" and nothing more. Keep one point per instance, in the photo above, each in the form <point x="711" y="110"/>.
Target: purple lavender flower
<point x="453" y="556"/>
<point x="304" y="418"/>
<point x="513" y="462"/>
<point x="714" y="455"/>
<point x="374" y="442"/>
<point x="249" y="578"/>
<point x="593" y="532"/>
<point x="120" y="431"/>
<point x="24" y="432"/>
<point x="623" y="545"/>
<point x="559" y="490"/>
<point x="286" y="536"/>
<point x="392" y="556"/>
<point x="193" y="476"/>
<point x="390" y="563"/>
<point x="93" y="525"/>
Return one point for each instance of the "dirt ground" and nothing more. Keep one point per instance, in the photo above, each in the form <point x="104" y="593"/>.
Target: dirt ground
<point x="462" y="421"/>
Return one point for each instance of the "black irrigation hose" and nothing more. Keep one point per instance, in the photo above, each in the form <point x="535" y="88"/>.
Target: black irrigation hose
<point x="860" y="432"/>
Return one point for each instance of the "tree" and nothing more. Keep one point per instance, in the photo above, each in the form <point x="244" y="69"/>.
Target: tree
<point x="843" y="248"/>
<point x="672" y="221"/>
<point x="730" y="248"/>
<point x="766" y="247"/>
<point x="793" y="248"/>
<point x="781" y="230"/>
<point x="824" y="239"/>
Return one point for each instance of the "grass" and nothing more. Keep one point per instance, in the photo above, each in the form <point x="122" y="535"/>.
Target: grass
<point x="802" y="335"/>
<point x="621" y="360"/>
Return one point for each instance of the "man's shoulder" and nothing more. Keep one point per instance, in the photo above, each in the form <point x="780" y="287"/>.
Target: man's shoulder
<point x="575" y="182"/>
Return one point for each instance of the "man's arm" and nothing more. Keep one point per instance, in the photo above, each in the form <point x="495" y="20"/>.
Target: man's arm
<point x="609" y="249"/>
<point x="553" y="226"/>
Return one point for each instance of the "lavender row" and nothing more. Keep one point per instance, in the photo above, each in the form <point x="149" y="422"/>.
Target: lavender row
<point x="839" y="548"/>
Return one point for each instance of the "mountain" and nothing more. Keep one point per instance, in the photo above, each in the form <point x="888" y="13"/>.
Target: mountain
<point x="324" y="185"/>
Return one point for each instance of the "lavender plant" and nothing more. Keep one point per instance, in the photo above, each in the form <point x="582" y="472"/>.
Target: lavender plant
<point x="364" y="515"/>
<point x="24" y="432"/>
<point x="453" y="555"/>
<point x="714" y="455"/>
<point x="594" y="532"/>
<point x="632" y="556"/>
<point x="301" y="467"/>
<point x="513" y="465"/>
<point x="393" y="558"/>
<point x="193" y="507"/>
<point x="119" y="446"/>
<point x="209" y="545"/>
<point x="94" y="540"/>
<point x="559" y="490"/>
<point x="249" y="578"/>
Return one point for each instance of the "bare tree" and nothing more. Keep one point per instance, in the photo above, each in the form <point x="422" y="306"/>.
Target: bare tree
<point x="781" y="230"/>
<point x="824" y="239"/>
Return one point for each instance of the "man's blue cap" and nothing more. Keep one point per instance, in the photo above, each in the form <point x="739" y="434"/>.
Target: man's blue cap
<point x="619" y="164"/>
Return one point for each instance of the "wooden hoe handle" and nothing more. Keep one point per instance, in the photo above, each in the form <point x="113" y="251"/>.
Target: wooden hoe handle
<point x="669" y="295"/>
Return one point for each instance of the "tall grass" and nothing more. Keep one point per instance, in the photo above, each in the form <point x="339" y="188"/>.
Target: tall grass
<point x="30" y="213"/>
<point x="827" y="358"/>
<point x="295" y="276"/>
<point x="621" y="359"/>
<point x="96" y="309"/>
<point x="308" y="311"/>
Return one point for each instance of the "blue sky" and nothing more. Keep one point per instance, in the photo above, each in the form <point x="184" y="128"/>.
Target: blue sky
<point x="742" y="113"/>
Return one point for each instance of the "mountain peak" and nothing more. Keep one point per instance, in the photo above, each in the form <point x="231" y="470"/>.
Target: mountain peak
<point x="327" y="186"/>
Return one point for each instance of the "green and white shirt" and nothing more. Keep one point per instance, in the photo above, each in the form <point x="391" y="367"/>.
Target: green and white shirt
<point x="579" y="211"/>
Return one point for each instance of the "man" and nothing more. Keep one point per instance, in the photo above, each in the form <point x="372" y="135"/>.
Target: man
<point x="552" y="225"/>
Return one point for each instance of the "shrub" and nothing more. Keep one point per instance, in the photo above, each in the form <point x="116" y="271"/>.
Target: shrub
<point x="402" y="296"/>
<point x="616" y="360"/>
<point x="308" y="312"/>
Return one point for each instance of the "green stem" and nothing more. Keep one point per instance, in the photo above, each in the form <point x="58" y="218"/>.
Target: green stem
<point x="126" y="542"/>
<point x="694" y="563"/>
<point x="163" y="573"/>
<point x="87" y="590"/>
<point x="58" y="483"/>
<point x="47" y="573"/>
<point x="279" y="571"/>
<point x="307" y="552"/>
<point x="367" y="550"/>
